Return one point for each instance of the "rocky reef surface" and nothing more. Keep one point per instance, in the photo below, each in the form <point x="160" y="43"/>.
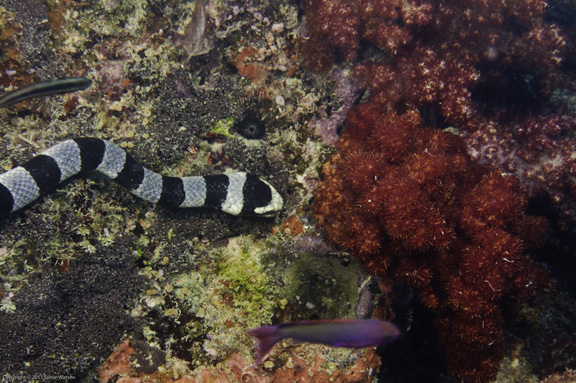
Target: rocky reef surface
<point x="425" y="151"/>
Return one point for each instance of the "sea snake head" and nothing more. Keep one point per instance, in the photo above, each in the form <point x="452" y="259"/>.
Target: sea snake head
<point x="274" y="206"/>
<point x="264" y="201"/>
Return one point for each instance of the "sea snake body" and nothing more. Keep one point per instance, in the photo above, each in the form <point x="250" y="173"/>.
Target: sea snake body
<point x="234" y="193"/>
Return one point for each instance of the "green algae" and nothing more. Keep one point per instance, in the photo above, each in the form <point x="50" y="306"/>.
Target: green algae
<point x="222" y="127"/>
<point x="243" y="284"/>
<point x="227" y="296"/>
<point x="240" y="265"/>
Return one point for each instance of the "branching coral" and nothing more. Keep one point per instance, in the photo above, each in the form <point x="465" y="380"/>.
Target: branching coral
<point x="413" y="208"/>
<point x="409" y="201"/>
<point x="487" y="67"/>
<point x="337" y="27"/>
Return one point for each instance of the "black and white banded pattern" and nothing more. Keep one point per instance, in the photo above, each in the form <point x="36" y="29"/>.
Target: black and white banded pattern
<point x="234" y="193"/>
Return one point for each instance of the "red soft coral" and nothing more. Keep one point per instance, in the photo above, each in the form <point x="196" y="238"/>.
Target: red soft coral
<point x="489" y="68"/>
<point x="429" y="217"/>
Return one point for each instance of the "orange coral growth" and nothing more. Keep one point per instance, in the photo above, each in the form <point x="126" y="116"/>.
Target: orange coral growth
<point x="118" y="363"/>
<point x="413" y="208"/>
<point x="360" y="372"/>
<point x="237" y="369"/>
<point x="292" y="226"/>
<point x="253" y="70"/>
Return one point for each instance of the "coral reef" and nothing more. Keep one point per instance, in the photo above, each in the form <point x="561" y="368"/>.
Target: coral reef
<point x="327" y="127"/>
<point x="408" y="201"/>
<point x="118" y="363"/>
<point x="337" y="27"/>
<point x="413" y="208"/>
<point x="155" y="93"/>
<point x="238" y="369"/>
<point x="489" y="68"/>
<point x="177" y="110"/>
<point x="198" y="316"/>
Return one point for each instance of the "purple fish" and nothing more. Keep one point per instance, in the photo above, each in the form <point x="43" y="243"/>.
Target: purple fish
<point x="353" y="333"/>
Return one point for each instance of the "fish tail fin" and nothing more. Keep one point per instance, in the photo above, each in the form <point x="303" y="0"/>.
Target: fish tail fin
<point x="267" y="337"/>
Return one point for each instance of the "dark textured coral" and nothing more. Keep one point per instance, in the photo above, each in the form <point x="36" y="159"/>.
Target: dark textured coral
<point x="66" y="323"/>
<point x="410" y="202"/>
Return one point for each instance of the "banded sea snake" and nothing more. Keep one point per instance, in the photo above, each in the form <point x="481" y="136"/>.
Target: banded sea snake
<point x="233" y="193"/>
